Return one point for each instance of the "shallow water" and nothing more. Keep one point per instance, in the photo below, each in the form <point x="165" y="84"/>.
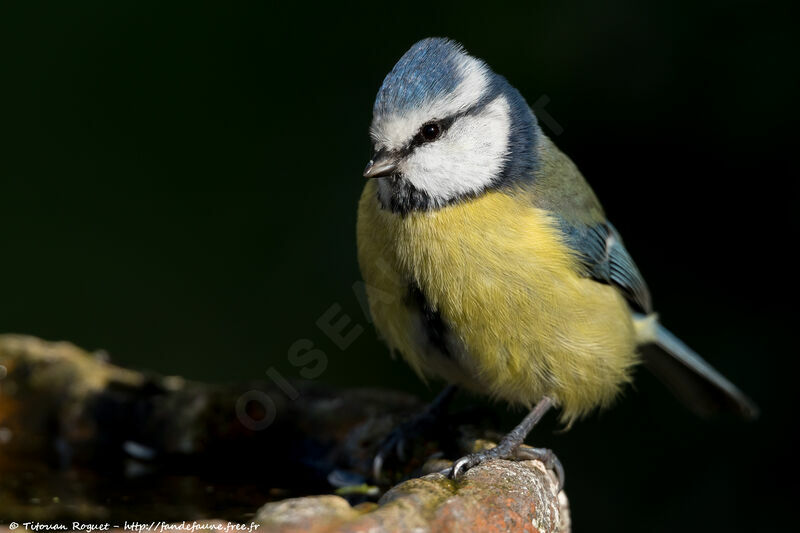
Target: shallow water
<point x="37" y="492"/>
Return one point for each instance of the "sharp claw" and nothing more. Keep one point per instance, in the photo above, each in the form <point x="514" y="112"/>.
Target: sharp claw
<point x="392" y="444"/>
<point x="459" y="467"/>
<point x="377" y="465"/>
<point x="396" y="445"/>
<point x="559" y="468"/>
<point x="455" y="470"/>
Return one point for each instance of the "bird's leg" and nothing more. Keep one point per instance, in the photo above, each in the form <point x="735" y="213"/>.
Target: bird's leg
<point x="509" y="446"/>
<point x="395" y="442"/>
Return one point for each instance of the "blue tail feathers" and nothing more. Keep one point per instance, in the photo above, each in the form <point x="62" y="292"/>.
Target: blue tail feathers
<point x="692" y="380"/>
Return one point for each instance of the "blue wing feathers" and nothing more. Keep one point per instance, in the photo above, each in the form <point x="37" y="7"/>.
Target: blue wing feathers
<point x="605" y="258"/>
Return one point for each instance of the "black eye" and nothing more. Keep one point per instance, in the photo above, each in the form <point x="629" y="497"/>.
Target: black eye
<point x="431" y="131"/>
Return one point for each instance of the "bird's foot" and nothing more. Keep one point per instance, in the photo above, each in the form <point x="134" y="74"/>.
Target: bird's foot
<point x="396" y="444"/>
<point x="510" y="447"/>
<point x="419" y="427"/>
<point x="546" y="457"/>
<point x="510" y="451"/>
<point x="504" y="450"/>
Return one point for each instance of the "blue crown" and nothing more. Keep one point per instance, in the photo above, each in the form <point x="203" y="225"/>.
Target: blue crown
<point x="428" y="70"/>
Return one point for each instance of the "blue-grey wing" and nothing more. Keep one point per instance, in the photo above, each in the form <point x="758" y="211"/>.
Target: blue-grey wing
<point x="606" y="260"/>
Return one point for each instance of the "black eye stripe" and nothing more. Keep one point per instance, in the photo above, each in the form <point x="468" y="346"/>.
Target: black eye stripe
<point x="441" y="125"/>
<point x="445" y="123"/>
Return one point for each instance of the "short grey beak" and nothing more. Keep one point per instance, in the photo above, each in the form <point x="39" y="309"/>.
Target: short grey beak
<point x="382" y="164"/>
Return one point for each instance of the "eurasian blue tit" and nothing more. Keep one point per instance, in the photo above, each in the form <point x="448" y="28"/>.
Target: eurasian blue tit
<point x="489" y="261"/>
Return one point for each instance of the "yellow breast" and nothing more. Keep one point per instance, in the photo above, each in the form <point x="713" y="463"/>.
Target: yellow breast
<point x="509" y="291"/>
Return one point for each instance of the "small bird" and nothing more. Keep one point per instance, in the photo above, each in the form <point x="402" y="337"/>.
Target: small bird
<point x="490" y="263"/>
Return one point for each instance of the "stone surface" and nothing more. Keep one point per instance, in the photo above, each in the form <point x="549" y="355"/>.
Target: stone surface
<point x="311" y="514"/>
<point x="497" y="496"/>
<point x="76" y="412"/>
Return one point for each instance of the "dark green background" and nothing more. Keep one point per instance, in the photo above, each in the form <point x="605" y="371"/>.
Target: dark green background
<point x="178" y="186"/>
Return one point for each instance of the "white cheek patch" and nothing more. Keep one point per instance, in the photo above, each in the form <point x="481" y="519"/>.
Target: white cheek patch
<point x="396" y="131"/>
<point x="468" y="157"/>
